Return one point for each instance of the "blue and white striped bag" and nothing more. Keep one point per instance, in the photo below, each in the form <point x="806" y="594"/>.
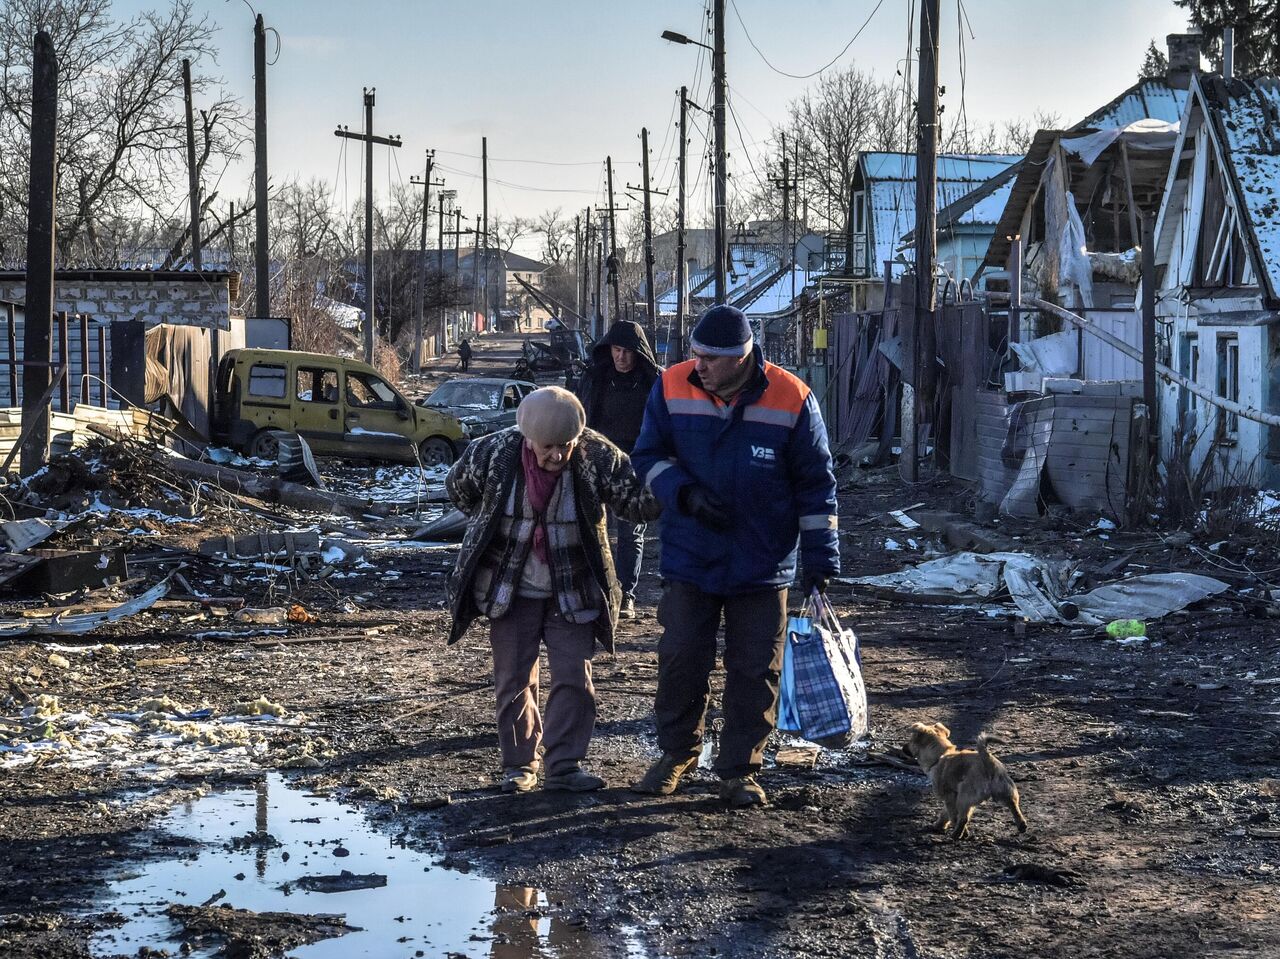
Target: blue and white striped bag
<point x="822" y="696"/>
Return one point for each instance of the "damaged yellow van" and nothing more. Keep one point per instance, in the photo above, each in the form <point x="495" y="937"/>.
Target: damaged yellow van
<point x="341" y="407"/>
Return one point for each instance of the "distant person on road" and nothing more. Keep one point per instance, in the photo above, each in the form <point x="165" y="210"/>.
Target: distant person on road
<point x="613" y="391"/>
<point x="464" y="354"/>
<point x="535" y="560"/>
<point x="736" y="451"/>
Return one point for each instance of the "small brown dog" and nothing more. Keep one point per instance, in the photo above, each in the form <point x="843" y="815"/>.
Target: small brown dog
<point x="962" y="778"/>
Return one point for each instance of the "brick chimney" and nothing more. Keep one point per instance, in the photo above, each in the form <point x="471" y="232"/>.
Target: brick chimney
<point x="1184" y="58"/>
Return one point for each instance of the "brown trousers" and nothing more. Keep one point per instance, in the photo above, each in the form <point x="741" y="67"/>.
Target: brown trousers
<point x="571" y="703"/>
<point x="753" y="640"/>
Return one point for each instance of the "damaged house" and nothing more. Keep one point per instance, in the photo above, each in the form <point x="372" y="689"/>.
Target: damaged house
<point x="1066" y="412"/>
<point x="145" y="337"/>
<point x="1218" y="271"/>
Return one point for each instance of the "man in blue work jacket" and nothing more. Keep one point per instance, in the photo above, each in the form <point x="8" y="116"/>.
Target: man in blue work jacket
<point x="736" y="451"/>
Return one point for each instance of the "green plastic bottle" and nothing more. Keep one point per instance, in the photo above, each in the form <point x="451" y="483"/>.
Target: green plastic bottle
<point x="1126" y="628"/>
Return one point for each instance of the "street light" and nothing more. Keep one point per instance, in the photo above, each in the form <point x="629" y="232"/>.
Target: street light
<point x="720" y="85"/>
<point x="674" y="37"/>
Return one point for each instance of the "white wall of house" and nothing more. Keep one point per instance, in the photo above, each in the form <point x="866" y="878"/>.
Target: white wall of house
<point x="1229" y="360"/>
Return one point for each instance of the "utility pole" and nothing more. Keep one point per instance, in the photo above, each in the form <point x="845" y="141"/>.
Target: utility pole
<point x="484" y="212"/>
<point x="444" y="333"/>
<point x="262" y="278"/>
<point x="681" y="280"/>
<point x="369" y="140"/>
<point x="418" y="328"/>
<point x="37" y="383"/>
<point x="786" y="185"/>
<point x="193" y="185"/>
<point x="577" y="265"/>
<point x="722" y="172"/>
<point x="651" y="302"/>
<point x="588" y="245"/>
<point x="926" y="225"/>
<point x="613" y="245"/>
<point x="476" y="294"/>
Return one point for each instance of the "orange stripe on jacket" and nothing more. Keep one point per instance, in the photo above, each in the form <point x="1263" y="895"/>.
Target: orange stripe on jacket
<point x="785" y="391"/>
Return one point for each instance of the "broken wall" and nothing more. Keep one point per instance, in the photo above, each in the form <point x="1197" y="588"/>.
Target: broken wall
<point x="202" y="300"/>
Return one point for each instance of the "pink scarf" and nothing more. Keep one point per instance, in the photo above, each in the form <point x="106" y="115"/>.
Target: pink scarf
<point x="539" y="484"/>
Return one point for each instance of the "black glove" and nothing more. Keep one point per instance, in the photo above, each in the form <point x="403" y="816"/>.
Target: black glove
<point x="706" y="507"/>
<point x="812" y="583"/>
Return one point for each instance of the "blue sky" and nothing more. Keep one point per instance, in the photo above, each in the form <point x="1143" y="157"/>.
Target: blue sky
<point x="569" y="82"/>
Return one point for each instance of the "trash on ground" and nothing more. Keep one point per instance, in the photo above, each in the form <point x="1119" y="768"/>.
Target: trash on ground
<point x="345" y="881"/>
<point x="452" y="525"/>
<point x="1041" y="588"/>
<point x="268" y="616"/>
<point x="54" y="622"/>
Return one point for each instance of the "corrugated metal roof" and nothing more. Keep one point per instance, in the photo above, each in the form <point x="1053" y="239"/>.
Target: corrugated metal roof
<point x="1148" y="99"/>
<point x="968" y="167"/>
<point x="777" y="295"/>
<point x="889" y="180"/>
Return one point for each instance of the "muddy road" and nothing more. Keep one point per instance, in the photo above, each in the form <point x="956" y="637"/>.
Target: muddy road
<point x="1147" y="770"/>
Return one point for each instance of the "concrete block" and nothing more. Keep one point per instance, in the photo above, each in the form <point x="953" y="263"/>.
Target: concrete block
<point x="86" y="306"/>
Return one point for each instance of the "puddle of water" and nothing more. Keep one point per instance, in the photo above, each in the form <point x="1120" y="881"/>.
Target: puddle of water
<point x="422" y="905"/>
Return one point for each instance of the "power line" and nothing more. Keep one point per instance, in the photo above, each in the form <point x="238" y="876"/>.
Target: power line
<point x="473" y="156"/>
<point x="508" y="183"/>
<point x="829" y="63"/>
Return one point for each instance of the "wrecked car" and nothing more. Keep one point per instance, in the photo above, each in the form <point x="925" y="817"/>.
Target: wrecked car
<point x="483" y="404"/>
<point x="341" y="407"/>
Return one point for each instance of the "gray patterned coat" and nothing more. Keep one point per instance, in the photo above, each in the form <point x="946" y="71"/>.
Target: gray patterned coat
<point x="480" y="484"/>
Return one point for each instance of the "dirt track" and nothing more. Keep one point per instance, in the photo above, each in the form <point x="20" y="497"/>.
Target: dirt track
<point x="1148" y="769"/>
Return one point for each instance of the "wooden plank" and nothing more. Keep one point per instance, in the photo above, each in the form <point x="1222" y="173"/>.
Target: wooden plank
<point x="11" y="316"/>
<point x="102" y="365"/>
<point x="84" y="357"/>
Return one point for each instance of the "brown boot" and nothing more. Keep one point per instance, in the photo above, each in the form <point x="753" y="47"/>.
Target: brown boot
<point x="743" y="792"/>
<point x="664" y="776"/>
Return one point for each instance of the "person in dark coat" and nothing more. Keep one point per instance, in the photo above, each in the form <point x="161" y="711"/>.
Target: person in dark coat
<point x="613" y="391"/>
<point x="464" y="354"/>
<point x="736" y="451"/>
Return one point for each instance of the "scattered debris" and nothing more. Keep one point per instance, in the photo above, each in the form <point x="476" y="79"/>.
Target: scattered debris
<point x="1045" y="875"/>
<point x="345" y="881"/>
<point x="247" y="933"/>
<point x="1041" y="588"/>
<point x="55" y="622"/>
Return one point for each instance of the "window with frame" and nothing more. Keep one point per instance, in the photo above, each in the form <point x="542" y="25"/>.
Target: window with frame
<point x="859" y="212"/>
<point x="317" y="385"/>
<point x="1189" y="361"/>
<point x="267" y="380"/>
<point x="364" y="389"/>
<point x="1228" y="384"/>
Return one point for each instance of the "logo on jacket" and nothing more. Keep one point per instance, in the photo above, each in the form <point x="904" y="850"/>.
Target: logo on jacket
<point x="763" y="454"/>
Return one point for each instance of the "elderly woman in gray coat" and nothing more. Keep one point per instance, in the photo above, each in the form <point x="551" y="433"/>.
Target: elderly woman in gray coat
<point x="535" y="561"/>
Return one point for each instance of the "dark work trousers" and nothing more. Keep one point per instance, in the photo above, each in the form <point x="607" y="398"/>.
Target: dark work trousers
<point x="571" y="704"/>
<point x="753" y="638"/>
<point x="628" y="554"/>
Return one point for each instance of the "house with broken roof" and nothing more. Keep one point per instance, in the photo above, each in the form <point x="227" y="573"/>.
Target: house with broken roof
<point x="1217" y="257"/>
<point x="1073" y="222"/>
<point x="1071" y="232"/>
<point x="883" y="211"/>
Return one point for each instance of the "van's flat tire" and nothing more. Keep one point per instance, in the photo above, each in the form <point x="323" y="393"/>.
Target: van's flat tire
<point x="264" y="445"/>
<point x="436" y="451"/>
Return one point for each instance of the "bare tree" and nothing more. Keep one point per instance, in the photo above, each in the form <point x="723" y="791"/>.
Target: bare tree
<point x="557" y="237"/>
<point x="843" y="114"/>
<point x="505" y="232"/>
<point x="121" y="134"/>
